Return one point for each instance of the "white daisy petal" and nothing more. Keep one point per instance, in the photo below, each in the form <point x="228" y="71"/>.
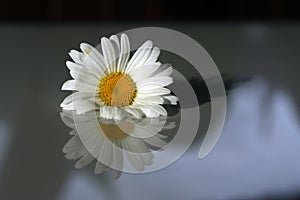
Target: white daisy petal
<point x="154" y="92"/>
<point x="161" y="80"/>
<point x="152" y="100"/>
<point x="76" y="56"/>
<point x="74" y="85"/>
<point x="140" y="132"/>
<point x="138" y="74"/>
<point x="164" y="70"/>
<point x="73" y="66"/>
<point x="149" y="86"/>
<point x="140" y="56"/>
<point x="99" y="168"/>
<point x="106" y="152"/>
<point x="109" y="112"/>
<point x="117" y="174"/>
<point x="143" y="151"/>
<point x="84" y="107"/>
<point x="116" y="44"/>
<point x="84" y="161"/>
<point x="73" y="132"/>
<point x="93" y="59"/>
<point x="119" y="113"/>
<point x="135" y="112"/>
<point x="77" y="70"/>
<point x="161" y="110"/>
<point x="153" y="56"/>
<point x="69" y="106"/>
<point x="118" y="155"/>
<point x="172" y="99"/>
<point x="75" y="154"/>
<point x="117" y="55"/>
<point x="86" y="48"/>
<point x="74" y="74"/>
<point x="105" y="112"/>
<point x="154" y="110"/>
<point x="83" y="87"/>
<point x="149" y="112"/>
<point x="87" y="78"/>
<point x="74" y="96"/>
<point x="170" y="125"/>
<point x="155" y="141"/>
<point x="109" y="54"/>
<point x="67" y="119"/>
<point x="74" y="149"/>
<point x="116" y="40"/>
<point x="133" y="157"/>
<point x="138" y="146"/>
<point x="68" y="85"/>
<point x="124" y="53"/>
<point x="72" y="144"/>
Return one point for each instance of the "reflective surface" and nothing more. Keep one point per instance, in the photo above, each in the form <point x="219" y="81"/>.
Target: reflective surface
<point x="125" y="145"/>
<point x="257" y="155"/>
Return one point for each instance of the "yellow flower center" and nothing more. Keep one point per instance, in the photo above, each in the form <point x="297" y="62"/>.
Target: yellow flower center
<point x="117" y="89"/>
<point x="115" y="132"/>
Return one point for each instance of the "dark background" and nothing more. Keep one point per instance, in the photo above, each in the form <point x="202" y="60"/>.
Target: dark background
<point x="244" y="38"/>
<point x="167" y="10"/>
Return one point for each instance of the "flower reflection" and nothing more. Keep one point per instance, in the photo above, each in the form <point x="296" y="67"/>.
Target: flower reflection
<point x="112" y="141"/>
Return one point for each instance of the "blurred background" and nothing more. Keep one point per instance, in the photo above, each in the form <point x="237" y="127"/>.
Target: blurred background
<point x="167" y="10"/>
<point x="255" y="45"/>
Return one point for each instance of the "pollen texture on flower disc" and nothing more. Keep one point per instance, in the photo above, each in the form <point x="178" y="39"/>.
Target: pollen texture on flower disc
<point x="117" y="89"/>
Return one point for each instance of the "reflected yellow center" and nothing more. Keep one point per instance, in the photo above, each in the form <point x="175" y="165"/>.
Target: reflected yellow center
<point x="117" y="89"/>
<point x="115" y="132"/>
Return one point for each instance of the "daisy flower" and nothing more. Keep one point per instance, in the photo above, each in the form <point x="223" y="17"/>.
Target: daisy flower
<point x="105" y="78"/>
<point x="109" y="141"/>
